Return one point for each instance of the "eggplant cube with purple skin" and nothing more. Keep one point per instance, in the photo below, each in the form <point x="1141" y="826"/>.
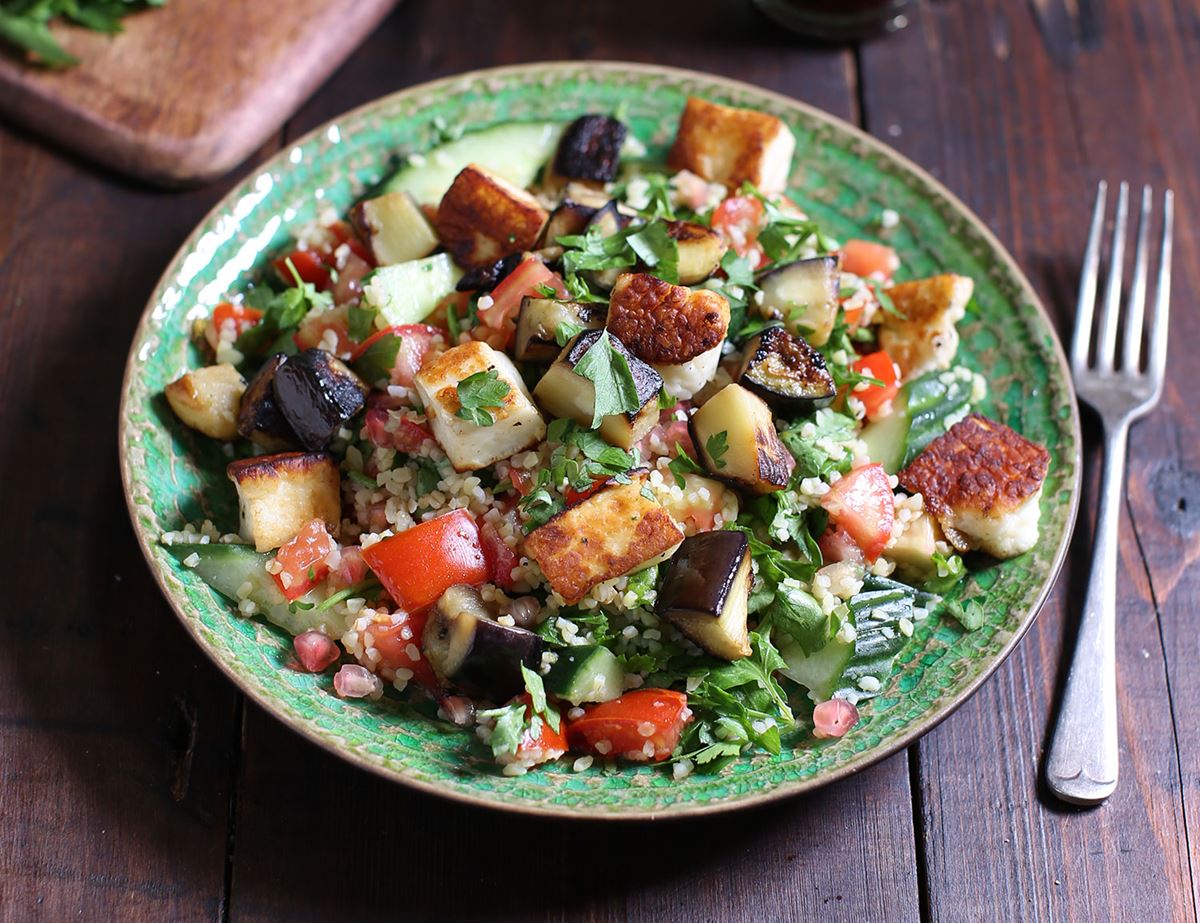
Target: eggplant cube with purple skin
<point x="706" y="591"/>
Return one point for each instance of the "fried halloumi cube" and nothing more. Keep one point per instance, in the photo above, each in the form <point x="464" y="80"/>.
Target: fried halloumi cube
<point x="207" y="399"/>
<point x="279" y="494"/>
<point x="727" y="145"/>
<point x="615" y="531"/>
<point x="983" y="482"/>
<point x="921" y="336"/>
<point x="395" y="228"/>
<point x="483" y="217"/>
<point x="516" y="423"/>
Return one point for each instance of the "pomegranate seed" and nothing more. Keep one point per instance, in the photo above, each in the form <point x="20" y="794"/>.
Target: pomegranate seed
<point x="834" y="718"/>
<point x="315" y="650"/>
<point x="355" y="682"/>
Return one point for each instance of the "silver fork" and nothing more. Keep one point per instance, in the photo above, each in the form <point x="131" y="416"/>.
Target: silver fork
<point x="1083" y="761"/>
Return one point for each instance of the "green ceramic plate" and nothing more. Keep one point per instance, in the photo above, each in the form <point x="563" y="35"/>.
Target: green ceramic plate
<point x="842" y="177"/>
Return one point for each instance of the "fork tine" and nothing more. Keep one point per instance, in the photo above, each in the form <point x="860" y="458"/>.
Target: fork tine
<point x="1111" y="310"/>
<point x="1157" y="366"/>
<point x="1086" y="305"/>
<point x="1135" y="316"/>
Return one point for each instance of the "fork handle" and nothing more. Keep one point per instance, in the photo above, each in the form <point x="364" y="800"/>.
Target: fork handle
<point x="1083" y="762"/>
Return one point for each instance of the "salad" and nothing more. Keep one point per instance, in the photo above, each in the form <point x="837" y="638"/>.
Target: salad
<point x="611" y="459"/>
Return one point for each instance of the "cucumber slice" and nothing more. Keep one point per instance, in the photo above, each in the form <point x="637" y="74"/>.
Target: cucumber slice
<point x="228" y="568"/>
<point x="588" y="673"/>
<point x="406" y="293"/>
<point x="820" y="672"/>
<point x="933" y="407"/>
<point x="886" y="439"/>
<point x="516" y="151"/>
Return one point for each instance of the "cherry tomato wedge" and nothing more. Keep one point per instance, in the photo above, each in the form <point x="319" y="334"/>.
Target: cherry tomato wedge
<point x="867" y="258"/>
<point x="419" y="564"/>
<point x="397" y="638"/>
<point x="310" y="267"/>
<point x="525" y="280"/>
<point x="548" y="745"/>
<point x="501" y="559"/>
<point x="739" y="219"/>
<point x="241" y="317"/>
<point x="642" y="725"/>
<point x="417" y="344"/>
<point x="876" y="397"/>
<point x="302" y="559"/>
<point x="862" y="503"/>
<point x="403" y="435"/>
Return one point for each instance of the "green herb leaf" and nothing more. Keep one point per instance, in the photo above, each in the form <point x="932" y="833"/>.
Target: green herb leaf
<point x="537" y="695"/>
<point x="683" y="464"/>
<point x="608" y="370"/>
<point x="511" y="723"/>
<point x="428" y="476"/>
<point x="361" y="322"/>
<point x="546" y="291"/>
<point x="716" y="447"/>
<point x="377" y="360"/>
<point x="479" y="394"/>
<point x="566" y="332"/>
<point x="657" y="249"/>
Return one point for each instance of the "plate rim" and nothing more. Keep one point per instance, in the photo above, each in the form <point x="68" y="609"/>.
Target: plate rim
<point x="784" y="790"/>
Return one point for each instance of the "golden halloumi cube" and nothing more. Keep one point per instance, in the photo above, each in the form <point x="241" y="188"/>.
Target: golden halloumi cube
<point x="615" y="531"/>
<point x="921" y="337"/>
<point x="279" y="494"/>
<point x="483" y="217"/>
<point x="516" y="422"/>
<point x="207" y="399"/>
<point x="983" y="482"/>
<point x="728" y="145"/>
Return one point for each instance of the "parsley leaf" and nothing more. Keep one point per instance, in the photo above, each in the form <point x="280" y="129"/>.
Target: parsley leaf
<point x="821" y="445"/>
<point x="683" y="464"/>
<point x="537" y="695"/>
<point x="479" y="392"/>
<point x="377" y="360"/>
<point x="607" y="368"/>
<point x="546" y="291"/>
<point x="566" y="331"/>
<point x="361" y="322"/>
<point x="428" y="475"/>
<point x="716" y="446"/>
<point x="657" y="249"/>
<point x="511" y="722"/>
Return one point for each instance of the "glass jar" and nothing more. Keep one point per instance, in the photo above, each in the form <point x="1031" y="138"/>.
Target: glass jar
<point x="838" y="20"/>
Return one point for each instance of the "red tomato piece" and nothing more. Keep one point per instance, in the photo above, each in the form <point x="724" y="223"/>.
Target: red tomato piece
<point x="310" y="266"/>
<point x="739" y="219"/>
<point x="501" y="558"/>
<point x="876" y="397"/>
<point x="419" y="564"/>
<point x="866" y="258"/>
<point x="418" y="344"/>
<point x="862" y="503"/>
<point x="303" y="559"/>
<point x="351" y="569"/>
<point x="573" y="496"/>
<point x="624" y="726"/>
<point x="311" y="332"/>
<point x="530" y="275"/>
<point x="397" y="638"/>
<point x="241" y="317"/>
<point x="548" y="745"/>
<point x="522" y="481"/>
<point x="837" y="545"/>
<point x="344" y="234"/>
<point x="404" y="435"/>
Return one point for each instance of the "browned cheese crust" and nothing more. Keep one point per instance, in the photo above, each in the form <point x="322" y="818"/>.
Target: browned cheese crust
<point x="663" y="323"/>
<point x="722" y="143"/>
<point x="246" y="470"/>
<point x="482" y="218"/>
<point x="978" y="464"/>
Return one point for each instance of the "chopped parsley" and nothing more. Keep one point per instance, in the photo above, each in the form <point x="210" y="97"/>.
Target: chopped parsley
<point x="361" y="322"/>
<point x="479" y="395"/>
<point x="537" y="695"/>
<point x="608" y="369"/>
<point x="282" y="313"/>
<point x="716" y="446"/>
<point x="376" y="362"/>
<point x="683" y="464"/>
<point x="546" y="291"/>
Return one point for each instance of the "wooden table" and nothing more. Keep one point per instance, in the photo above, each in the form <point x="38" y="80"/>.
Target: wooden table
<point x="136" y="784"/>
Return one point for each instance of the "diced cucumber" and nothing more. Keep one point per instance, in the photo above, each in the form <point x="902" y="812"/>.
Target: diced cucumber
<point x="588" y="673"/>
<point x="820" y="672"/>
<point x="921" y="411"/>
<point x="515" y="151"/>
<point x="886" y="439"/>
<point x="406" y="293"/>
<point x="228" y="568"/>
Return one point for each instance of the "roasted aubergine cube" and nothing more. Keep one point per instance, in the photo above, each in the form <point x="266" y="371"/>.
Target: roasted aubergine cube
<point x="486" y="278"/>
<point x="564" y="393"/>
<point x="280" y="494"/>
<point x="786" y="372"/>
<point x="804" y="295"/>
<point x="469" y="650"/>
<point x="706" y="592"/>
<point x="678" y="330"/>
<point x="699" y="250"/>
<point x="208" y="399"/>
<point x="540" y="321"/>
<point x="615" y="531"/>
<point x="483" y="217"/>
<point x="466" y="438"/>
<point x="259" y="418"/>
<point x="737" y="441"/>
<point x="590" y="149"/>
<point x="728" y="145"/>
<point x="317" y="394"/>
<point x="395" y="228"/>
<point x="983" y="481"/>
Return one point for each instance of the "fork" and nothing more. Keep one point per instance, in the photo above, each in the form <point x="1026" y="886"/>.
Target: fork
<point x="1083" y="762"/>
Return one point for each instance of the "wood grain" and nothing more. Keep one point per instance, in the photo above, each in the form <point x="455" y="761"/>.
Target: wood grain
<point x="190" y="90"/>
<point x="1018" y="128"/>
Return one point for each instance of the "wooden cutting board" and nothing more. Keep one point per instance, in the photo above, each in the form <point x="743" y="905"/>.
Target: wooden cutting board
<point x="188" y="91"/>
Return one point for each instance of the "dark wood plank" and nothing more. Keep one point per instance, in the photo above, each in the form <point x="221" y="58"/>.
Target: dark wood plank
<point x="1020" y="109"/>
<point x="115" y="732"/>
<point x="420" y="854"/>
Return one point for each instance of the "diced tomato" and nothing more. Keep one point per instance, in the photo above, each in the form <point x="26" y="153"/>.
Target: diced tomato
<point x="862" y="503"/>
<point x="348" y="286"/>
<point x="866" y="258"/>
<point x="397" y="638"/>
<point x="876" y="397"/>
<point x="501" y="559"/>
<point x="310" y="266"/>
<point x="419" y="564"/>
<point x="573" y="496"/>
<point x="548" y="745"/>
<point x="739" y="219"/>
<point x="345" y="235"/>
<point x="625" y="725"/>
<point x="404" y="435"/>
<point x="669" y="432"/>
<point x="241" y="317"/>
<point x="418" y="344"/>
<point x="522" y="480"/>
<point x="311" y="332"/>
<point x="525" y="280"/>
<point x="303" y="559"/>
<point x="351" y="568"/>
<point x="837" y="545"/>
